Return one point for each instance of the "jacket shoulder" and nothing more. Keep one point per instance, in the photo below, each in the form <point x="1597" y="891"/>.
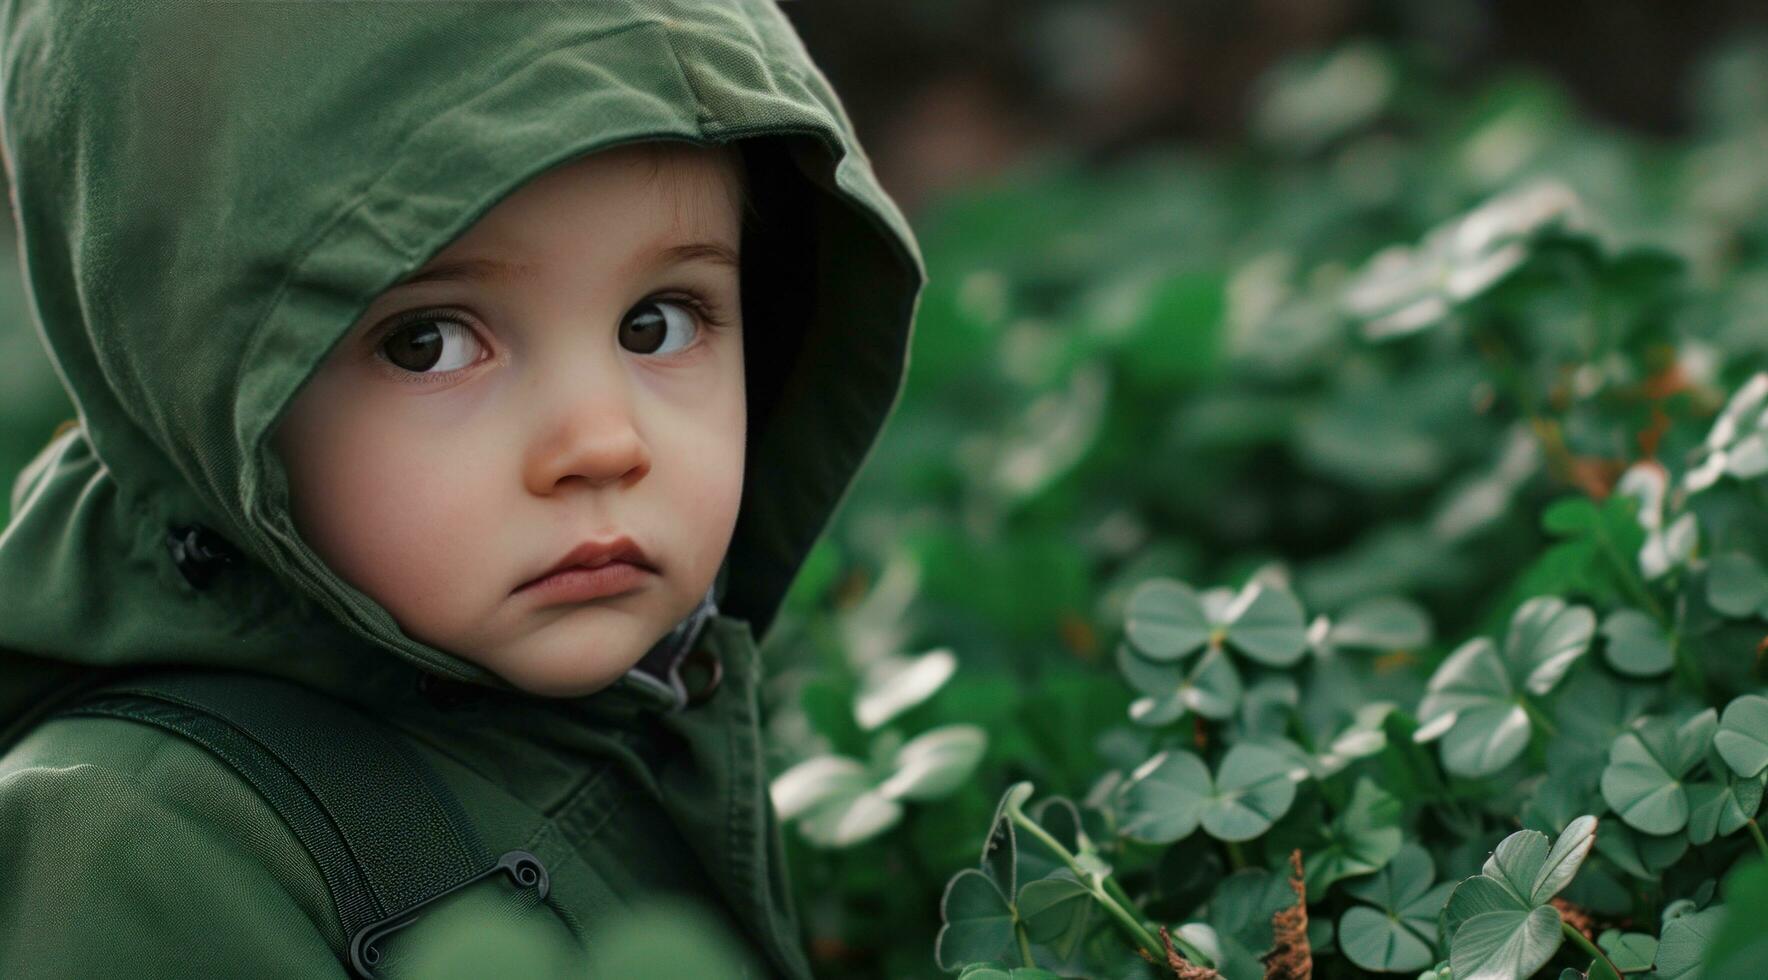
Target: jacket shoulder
<point x="126" y="850"/>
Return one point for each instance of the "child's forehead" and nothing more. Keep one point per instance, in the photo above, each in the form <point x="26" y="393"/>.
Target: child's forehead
<point x="690" y="175"/>
<point x="679" y="187"/>
<point x="622" y="198"/>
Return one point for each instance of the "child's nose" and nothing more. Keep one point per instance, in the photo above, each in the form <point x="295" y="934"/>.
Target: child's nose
<point x="589" y="437"/>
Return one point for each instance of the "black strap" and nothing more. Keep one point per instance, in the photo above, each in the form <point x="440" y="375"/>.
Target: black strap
<point x="386" y="833"/>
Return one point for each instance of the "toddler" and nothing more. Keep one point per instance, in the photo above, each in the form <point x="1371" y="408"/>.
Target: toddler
<point x="488" y="367"/>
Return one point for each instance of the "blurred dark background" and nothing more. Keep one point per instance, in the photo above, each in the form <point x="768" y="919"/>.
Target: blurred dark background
<point x="949" y="92"/>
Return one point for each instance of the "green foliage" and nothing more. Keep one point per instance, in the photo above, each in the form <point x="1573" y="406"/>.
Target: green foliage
<point x="1388" y="495"/>
<point x="1479" y="699"/>
<point x="1499" y="922"/>
<point x="1171" y="794"/>
<point x="1647" y="768"/>
<point x="840" y="801"/>
<point x="1396" y="931"/>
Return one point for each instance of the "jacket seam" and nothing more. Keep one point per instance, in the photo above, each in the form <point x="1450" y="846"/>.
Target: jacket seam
<point x="584" y="813"/>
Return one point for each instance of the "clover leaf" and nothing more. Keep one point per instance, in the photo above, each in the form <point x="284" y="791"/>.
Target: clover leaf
<point x="893" y="684"/>
<point x="1472" y="704"/>
<point x="1254" y="787"/>
<point x="1267" y="624"/>
<point x="1057" y="912"/>
<point x="1666" y="546"/>
<point x="1361" y="839"/>
<point x="1631" y="952"/>
<point x="1647" y="768"/>
<point x="1742" y="738"/>
<point x="1171" y="794"/>
<point x="1724" y="804"/>
<point x="1000" y="852"/>
<point x="1475" y="699"/>
<point x="1737" y="445"/>
<point x="1637" y="646"/>
<point x="1504" y="943"/>
<point x="1243" y="904"/>
<point x="839" y="801"/>
<point x="1166" y="798"/>
<point x="935" y="763"/>
<point x="1361" y="738"/>
<point x="1061" y="819"/>
<point x="1643" y="856"/>
<point x="1499" y="922"/>
<point x="1546" y="637"/>
<point x="1166" y="621"/>
<point x="834" y="794"/>
<point x="1683" y="945"/>
<point x="1397" y="930"/>
<point x="1589" y="557"/>
<point x="979" y="922"/>
<point x="1209" y="686"/>
<point x="1403" y="290"/>
<point x="1737" y="586"/>
<point x="1380" y="623"/>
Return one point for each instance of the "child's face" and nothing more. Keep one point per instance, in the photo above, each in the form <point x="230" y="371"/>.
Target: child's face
<point x="556" y="386"/>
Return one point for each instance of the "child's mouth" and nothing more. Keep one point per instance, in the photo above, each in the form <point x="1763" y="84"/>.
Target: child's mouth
<point x="579" y="583"/>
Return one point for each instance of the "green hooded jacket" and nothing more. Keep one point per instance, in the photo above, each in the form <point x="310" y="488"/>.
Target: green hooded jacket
<point x="208" y="193"/>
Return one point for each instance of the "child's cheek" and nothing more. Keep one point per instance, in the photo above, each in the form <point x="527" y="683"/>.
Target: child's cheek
<point x="389" y="500"/>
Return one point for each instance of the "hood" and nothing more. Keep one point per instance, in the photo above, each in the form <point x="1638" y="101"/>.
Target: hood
<point x="210" y="192"/>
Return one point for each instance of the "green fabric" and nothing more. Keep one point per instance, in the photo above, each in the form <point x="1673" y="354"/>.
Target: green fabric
<point x="208" y="192"/>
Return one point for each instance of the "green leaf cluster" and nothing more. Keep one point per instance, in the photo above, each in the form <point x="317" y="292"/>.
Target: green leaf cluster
<point x="1360" y="500"/>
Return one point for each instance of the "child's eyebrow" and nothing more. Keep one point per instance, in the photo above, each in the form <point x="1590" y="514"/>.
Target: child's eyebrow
<point x="715" y="252"/>
<point x="484" y="269"/>
<point x="470" y="269"/>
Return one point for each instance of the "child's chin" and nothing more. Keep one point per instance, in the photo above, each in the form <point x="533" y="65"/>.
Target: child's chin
<point x="570" y="681"/>
<point x="568" y="658"/>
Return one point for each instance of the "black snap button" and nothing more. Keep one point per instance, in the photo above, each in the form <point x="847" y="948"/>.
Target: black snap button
<point x="199" y="553"/>
<point x="701" y="672"/>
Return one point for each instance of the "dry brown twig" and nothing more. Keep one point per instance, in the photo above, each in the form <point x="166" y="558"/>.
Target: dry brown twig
<point x="1292" y="958"/>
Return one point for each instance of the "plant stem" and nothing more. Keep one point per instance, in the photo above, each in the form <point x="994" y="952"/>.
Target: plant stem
<point x="1629" y="576"/>
<point x="1024" y="946"/>
<point x="1116" y="891"/>
<point x="1540" y="720"/>
<point x="1756" y="832"/>
<point x="1131" y="924"/>
<point x="1589" y="947"/>
<point x="1236" y="859"/>
<point x="1687" y="667"/>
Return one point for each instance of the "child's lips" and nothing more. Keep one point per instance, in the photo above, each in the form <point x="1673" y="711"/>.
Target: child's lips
<point x="594" y="554"/>
<point x="581" y="584"/>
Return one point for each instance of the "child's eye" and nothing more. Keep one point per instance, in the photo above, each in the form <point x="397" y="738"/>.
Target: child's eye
<point x="646" y="327"/>
<point x="432" y="345"/>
